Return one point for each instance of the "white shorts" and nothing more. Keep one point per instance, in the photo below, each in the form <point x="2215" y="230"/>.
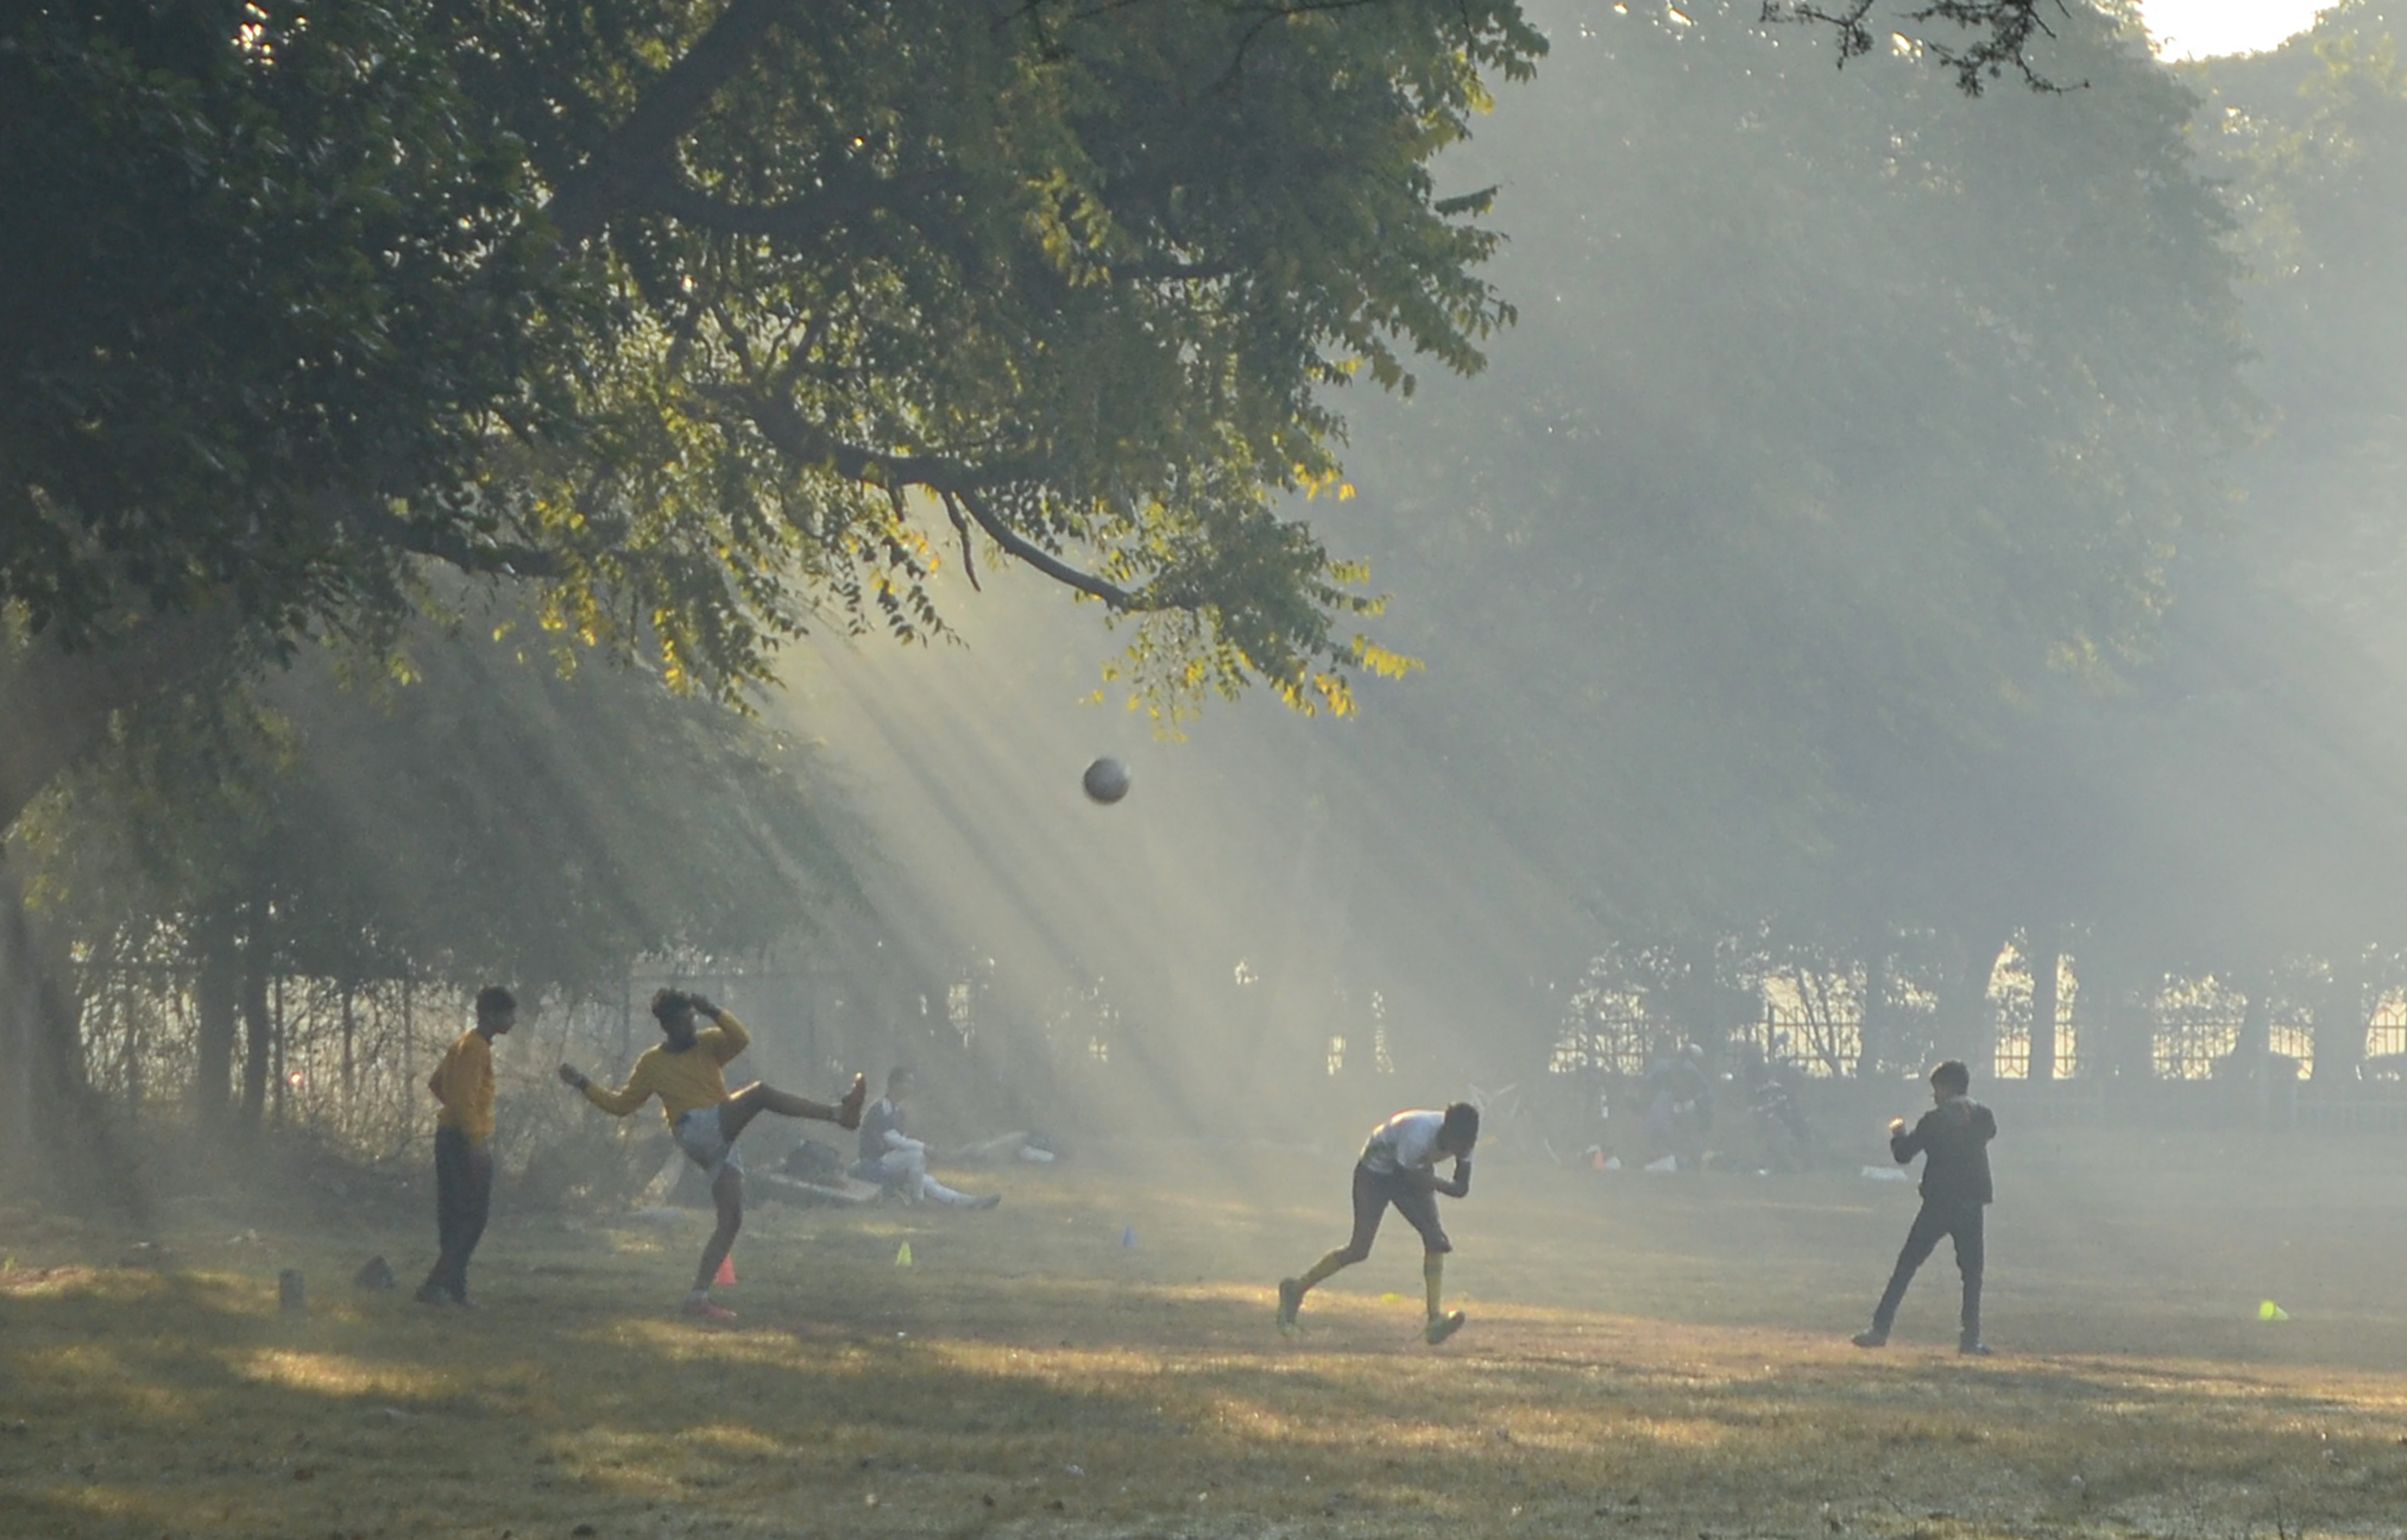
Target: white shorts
<point x="698" y="1134"/>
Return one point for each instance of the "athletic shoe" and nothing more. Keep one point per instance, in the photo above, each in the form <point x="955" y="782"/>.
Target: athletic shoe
<point x="1869" y="1339"/>
<point x="707" y="1310"/>
<point x="464" y="1303"/>
<point x="428" y="1293"/>
<point x="1973" y="1347"/>
<point x="848" y="1112"/>
<point x="1444" y="1327"/>
<point x="1291" y="1301"/>
<point x="990" y="1201"/>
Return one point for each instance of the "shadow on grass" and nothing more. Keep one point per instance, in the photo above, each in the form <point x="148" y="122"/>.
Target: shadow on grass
<point x="852" y="1401"/>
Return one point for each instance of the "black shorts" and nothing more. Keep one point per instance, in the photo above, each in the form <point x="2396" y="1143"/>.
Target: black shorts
<point x="1373" y="1191"/>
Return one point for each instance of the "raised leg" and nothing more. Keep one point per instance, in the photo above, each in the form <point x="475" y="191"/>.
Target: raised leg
<point x="736" y="1113"/>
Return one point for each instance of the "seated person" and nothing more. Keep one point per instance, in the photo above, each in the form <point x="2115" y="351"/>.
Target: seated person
<point x="898" y="1162"/>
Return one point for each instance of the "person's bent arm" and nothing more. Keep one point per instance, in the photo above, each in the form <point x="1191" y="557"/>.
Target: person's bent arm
<point x="1460" y="1185"/>
<point x="732" y="1038"/>
<point x="1904" y="1144"/>
<point x="897" y="1139"/>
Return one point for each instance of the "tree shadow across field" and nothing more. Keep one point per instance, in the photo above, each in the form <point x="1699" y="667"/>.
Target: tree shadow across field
<point x="1043" y="1375"/>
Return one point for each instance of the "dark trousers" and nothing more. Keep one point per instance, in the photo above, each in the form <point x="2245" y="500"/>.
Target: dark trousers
<point x="1960" y="1221"/>
<point x="464" y="1196"/>
<point x="1374" y="1191"/>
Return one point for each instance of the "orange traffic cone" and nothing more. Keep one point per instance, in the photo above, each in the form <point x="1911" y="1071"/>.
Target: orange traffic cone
<point x="726" y="1278"/>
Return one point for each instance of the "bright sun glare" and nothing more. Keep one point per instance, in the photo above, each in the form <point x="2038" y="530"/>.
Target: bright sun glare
<point x="2200" y="29"/>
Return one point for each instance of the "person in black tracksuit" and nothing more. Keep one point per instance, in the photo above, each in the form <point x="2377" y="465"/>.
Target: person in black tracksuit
<point x="1954" y="1136"/>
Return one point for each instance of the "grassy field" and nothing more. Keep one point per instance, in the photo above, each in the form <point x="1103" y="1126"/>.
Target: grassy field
<point x="1647" y="1356"/>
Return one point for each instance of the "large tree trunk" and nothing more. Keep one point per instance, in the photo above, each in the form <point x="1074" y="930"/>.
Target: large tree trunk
<point x="2341" y="1016"/>
<point x="2045" y="959"/>
<point x="53" y="1127"/>
<point x="2116" y="1016"/>
<point x="55" y="705"/>
<point x="259" y="1028"/>
<point x="2254" y="1040"/>
<point x="1878" y="1049"/>
<point x="216" y="996"/>
<point x="1967" y="1024"/>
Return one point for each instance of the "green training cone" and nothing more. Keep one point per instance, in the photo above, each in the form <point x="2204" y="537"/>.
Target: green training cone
<point x="2271" y="1311"/>
<point x="903" y="1255"/>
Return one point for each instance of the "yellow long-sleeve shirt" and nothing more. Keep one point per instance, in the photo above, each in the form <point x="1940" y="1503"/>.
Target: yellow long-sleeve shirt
<point x="682" y="1081"/>
<point x="464" y="1083"/>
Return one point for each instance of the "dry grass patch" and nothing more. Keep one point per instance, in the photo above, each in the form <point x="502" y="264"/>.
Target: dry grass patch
<point x="1646" y="1358"/>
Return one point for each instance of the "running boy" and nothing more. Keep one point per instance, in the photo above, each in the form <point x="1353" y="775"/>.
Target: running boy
<point x="463" y="1083"/>
<point x="704" y="1117"/>
<point x="1399" y="1165"/>
<point x="1955" y="1135"/>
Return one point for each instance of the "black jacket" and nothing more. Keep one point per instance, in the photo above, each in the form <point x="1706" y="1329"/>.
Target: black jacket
<point x="1956" y="1135"/>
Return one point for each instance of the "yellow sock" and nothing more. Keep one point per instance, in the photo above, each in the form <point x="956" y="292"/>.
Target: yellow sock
<point x="1433" y="1277"/>
<point x="1324" y="1267"/>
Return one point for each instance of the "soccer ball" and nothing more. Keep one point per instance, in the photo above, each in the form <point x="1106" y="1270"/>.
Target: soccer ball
<point x="1107" y="781"/>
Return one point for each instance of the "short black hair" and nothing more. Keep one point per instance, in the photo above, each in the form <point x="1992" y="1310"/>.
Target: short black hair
<point x="668" y="1004"/>
<point x="1952" y="1077"/>
<point x="492" y="1000"/>
<point x="1460" y="1129"/>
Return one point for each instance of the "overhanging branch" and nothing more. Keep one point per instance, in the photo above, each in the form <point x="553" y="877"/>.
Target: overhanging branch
<point x="803" y="443"/>
<point x="1044" y="560"/>
<point x="673" y="103"/>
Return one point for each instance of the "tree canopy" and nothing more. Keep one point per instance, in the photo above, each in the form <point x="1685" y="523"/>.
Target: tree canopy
<point x="488" y="820"/>
<point x="714" y="320"/>
<point x="1861" y="427"/>
<point x="709" y="318"/>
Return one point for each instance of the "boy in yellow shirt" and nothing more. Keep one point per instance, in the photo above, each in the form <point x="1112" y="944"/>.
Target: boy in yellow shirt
<point x="463" y="1146"/>
<point x="705" y="1117"/>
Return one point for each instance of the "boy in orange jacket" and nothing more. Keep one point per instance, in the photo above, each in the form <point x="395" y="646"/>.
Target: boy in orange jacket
<point x="463" y="1083"/>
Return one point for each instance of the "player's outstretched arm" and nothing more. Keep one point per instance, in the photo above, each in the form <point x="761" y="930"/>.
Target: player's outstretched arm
<point x="618" y="1103"/>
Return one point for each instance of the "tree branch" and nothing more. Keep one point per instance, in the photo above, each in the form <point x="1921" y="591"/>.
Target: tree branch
<point x="58" y="702"/>
<point x="808" y="219"/>
<point x="444" y="542"/>
<point x="1044" y="560"/>
<point x="674" y="102"/>
<point x="2010" y="27"/>
<point x="805" y="443"/>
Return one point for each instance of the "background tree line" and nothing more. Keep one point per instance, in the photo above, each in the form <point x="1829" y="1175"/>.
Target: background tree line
<point x="1873" y="537"/>
<point x="1899" y="539"/>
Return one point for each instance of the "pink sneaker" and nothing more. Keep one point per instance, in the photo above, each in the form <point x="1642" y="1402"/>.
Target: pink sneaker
<point x="707" y="1310"/>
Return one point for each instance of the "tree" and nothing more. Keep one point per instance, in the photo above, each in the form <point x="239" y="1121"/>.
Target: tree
<point x="703" y="318"/>
<point x="671" y="308"/>
<point x="488" y="821"/>
<point x="1849" y="452"/>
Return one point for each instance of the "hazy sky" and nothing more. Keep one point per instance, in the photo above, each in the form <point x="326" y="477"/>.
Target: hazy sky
<point x="2188" y="29"/>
